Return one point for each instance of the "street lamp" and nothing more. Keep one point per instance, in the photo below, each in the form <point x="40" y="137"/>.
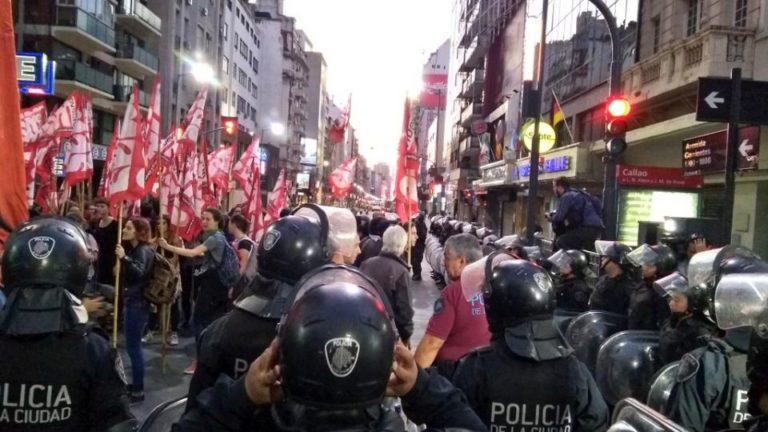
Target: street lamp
<point x="277" y="128"/>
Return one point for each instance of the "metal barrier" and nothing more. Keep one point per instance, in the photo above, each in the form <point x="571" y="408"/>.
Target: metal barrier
<point x="164" y="416"/>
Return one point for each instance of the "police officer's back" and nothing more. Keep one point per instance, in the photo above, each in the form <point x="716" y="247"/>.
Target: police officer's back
<point x="711" y="392"/>
<point x="528" y="375"/>
<point x="615" y="286"/>
<point x="56" y="373"/>
<point x="335" y="354"/>
<point x="290" y="247"/>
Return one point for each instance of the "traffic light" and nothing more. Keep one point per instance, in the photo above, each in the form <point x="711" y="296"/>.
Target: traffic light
<point x="617" y="111"/>
<point x="229" y="126"/>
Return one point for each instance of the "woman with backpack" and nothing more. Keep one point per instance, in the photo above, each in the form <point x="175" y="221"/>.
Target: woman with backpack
<point x="164" y="231"/>
<point x="136" y="261"/>
<point x="214" y="277"/>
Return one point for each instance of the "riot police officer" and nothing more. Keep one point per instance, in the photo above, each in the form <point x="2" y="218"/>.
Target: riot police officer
<point x="647" y="309"/>
<point x="290" y="247"/>
<point x="711" y="390"/>
<point x="56" y="373"/>
<point x="689" y="325"/>
<point x="528" y="375"/>
<point x="331" y="369"/>
<point x="618" y="281"/>
<point x="571" y="286"/>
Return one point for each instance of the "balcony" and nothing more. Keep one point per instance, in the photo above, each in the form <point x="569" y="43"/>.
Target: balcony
<point x="72" y="75"/>
<point x="123" y="94"/>
<point x="79" y="29"/>
<point x="711" y="52"/>
<point x="138" y="18"/>
<point x="472" y="87"/>
<point x="470" y="113"/>
<point x="136" y="61"/>
<point x="474" y="55"/>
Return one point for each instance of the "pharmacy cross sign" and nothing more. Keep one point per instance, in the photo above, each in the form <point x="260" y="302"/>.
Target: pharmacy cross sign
<point x="714" y="101"/>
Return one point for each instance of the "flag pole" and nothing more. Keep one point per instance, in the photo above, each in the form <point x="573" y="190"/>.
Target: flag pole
<point x="117" y="278"/>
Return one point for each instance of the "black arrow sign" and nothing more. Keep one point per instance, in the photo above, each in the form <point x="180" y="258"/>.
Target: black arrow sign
<point x="714" y="101"/>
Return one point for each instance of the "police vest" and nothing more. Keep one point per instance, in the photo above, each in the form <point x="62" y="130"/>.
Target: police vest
<point x="242" y="339"/>
<point x="738" y="389"/>
<point x="526" y="396"/>
<point x="44" y="383"/>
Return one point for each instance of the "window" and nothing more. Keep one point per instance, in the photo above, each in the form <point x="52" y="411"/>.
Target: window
<point x="224" y="65"/>
<point x="225" y="30"/>
<point x="255" y="66"/>
<point x="243" y="49"/>
<point x="694" y="17"/>
<point x="740" y="19"/>
<point x="240" y="105"/>
<point x="200" y="37"/>
<point x="243" y="78"/>
<point x="656" y="33"/>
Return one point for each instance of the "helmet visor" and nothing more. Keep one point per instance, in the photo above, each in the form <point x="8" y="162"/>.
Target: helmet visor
<point x="560" y="259"/>
<point x="509" y="242"/>
<point x="702" y="269"/>
<point x="342" y="227"/>
<point x="602" y="247"/>
<point x="642" y="256"/>
<point x="473" y="276"/>
<point x="741" y="300"/>
<point x="533" y="252"/>
<point x="674" y="283"/>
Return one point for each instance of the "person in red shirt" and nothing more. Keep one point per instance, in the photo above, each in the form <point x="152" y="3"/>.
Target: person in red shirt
<point x="457" y="326"/>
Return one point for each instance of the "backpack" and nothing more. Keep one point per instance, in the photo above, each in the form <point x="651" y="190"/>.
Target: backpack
<point x="229" y="267"/>
<point x="595" y="202"/>
<point x="162" y="285"/>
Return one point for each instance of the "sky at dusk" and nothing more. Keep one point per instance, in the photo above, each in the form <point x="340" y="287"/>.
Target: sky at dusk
<point x="374" y="50"/>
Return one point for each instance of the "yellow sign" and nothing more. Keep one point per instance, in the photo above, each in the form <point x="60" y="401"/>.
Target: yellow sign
<point x="547" y="136"/>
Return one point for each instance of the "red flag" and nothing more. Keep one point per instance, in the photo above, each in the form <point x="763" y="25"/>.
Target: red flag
<point x="406" y="198"/>
<point x="219" y="166"/>
<point x="254" y="210"/>
<point x="169" y="188"/>
<point x="339" y="128"/>
<point x="152" y="136"/>
<point x="185" y="215"/>
<point x="342" y="178"/>
<point x="203" y="180"/>
<point x="193" y="122"/>
<point x="277" y="199"/>
<point x="13" y="197"/>
<point x="78" y="150"/>
<point x="103" y="189"/>
<point x="249" y="159"/>
<point x="32" y="120"/>
<point x="127" y="173"/>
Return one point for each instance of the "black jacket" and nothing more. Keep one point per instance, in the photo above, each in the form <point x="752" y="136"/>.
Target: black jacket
<point x="392" y="275"/>
<point x="136" y="271"/>
<point x="573" y="295"/>
<point x="612" y="294"/>
<point x="647" y="309"/>
<point x="681" y="335"/>
<point x="530" y="369"/>
<point x="432" y="401"/>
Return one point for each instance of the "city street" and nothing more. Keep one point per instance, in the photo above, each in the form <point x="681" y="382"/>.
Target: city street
<point x="161" y="387"/>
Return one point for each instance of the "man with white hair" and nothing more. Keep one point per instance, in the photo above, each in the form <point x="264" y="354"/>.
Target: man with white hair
<point x="392" y="274"/>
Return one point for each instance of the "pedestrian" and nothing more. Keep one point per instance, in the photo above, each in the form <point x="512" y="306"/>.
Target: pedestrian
<point x="528" y="377"/>
<point x="615" y="286"/>
<point x="457" y="325"/>
<point x="577" y="222"/>
<point x="212" y="295"/>
<point x="136" y="263"/>
<point x="372" y="246"/>
<point x="343" y="242"/>
<point x="244" y="246"/>
<point x="57" y="372"/>
<point x="288" y="250"/>
<point x="417" y="249"/>
<point x="390" y="271"/>
<point x="363" y="232"/>
<point x="329" y="370"/>
<point x="105" y="234"/>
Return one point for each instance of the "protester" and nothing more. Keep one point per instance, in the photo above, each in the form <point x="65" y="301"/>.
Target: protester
<point x="578" y="220"/>
<point x="164" y="230"/>
<point x="105" y="234"/>
<point x="244" y="246"/>
<point x="417" y="248"/>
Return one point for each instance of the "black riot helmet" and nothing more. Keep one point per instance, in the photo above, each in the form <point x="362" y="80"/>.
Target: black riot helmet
<point x="336" y="344"/>
<point x="614" y="251"/>
<point x="47" y="252"/>
<point x="292" y="246"/>
<point x="515" y="291"/>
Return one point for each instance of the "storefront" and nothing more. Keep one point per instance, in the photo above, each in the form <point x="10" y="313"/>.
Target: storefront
<point x="495" y="196"/>
<point x="649" y="194"/>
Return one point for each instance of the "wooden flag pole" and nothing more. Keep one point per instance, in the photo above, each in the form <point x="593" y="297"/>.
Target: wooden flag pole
<point x="117" y="278"/>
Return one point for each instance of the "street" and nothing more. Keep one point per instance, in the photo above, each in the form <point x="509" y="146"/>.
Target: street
<point x="161" y="387"/>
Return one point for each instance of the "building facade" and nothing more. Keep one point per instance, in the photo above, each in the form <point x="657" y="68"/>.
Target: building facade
<point x="432" y="103"/>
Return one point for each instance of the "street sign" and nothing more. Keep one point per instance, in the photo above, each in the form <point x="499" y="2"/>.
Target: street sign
<point x="714" y="101"/>
<point x="706" y="154"/>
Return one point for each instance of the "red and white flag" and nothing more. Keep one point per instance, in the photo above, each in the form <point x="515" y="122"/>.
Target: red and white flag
<point x="220" y="165"/>
<point x="78" y="149"/>
<point x="32" y="120"/>
<point x="127" y="171"/>
<point x="208" y="198"/>
<point x="185" y="218"/>
<point x="193" y="122"/>
<point x="342" y="178"/>
<point x="103" y="190"/>
<point x="253" y="210"/>
<point x="248" y="161"/>
<point x="169" y="189"/>
<point x="278" y="198"/>
<point x="339" y="128"/>
<point x="406" y="197"/>
<point x="152" y="136"/>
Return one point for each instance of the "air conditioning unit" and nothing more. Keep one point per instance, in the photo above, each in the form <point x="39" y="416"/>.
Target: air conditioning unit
<point x="204" y="11"/>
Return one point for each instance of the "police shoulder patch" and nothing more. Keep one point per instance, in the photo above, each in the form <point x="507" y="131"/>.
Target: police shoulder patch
<point x="689" y="366"/>
<point x="439" y="306"/>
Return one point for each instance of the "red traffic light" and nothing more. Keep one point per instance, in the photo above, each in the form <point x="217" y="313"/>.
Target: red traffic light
<point x="618" y="107"/>
<point x="229" y="124"/>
